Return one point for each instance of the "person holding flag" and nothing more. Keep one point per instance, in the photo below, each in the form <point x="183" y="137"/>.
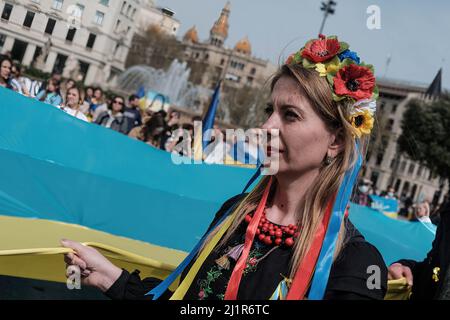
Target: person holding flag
<point x="290" y="236"/>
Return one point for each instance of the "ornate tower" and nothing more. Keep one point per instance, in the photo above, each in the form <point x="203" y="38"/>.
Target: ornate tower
<point x="219" y="31"/>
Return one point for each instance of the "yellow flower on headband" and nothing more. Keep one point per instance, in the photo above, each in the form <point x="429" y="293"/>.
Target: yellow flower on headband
<point x="362" y="122"/>
<point x="330" y="68"/>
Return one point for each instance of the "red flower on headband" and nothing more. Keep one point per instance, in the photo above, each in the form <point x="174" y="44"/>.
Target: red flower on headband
<point x="354" y="81"/>
<point x="320" y="50"/>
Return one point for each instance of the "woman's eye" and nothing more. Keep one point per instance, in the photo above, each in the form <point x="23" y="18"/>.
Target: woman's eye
<point x="290" y="115"/>
<point x="268" y="110"/>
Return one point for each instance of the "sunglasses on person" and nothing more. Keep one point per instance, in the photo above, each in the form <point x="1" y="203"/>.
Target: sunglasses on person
<point x="118" y="102"/>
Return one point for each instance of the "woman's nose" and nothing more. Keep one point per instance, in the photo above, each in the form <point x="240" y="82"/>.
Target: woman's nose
<point x="271" y="123"/>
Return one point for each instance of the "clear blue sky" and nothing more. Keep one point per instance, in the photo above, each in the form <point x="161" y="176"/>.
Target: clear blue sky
<point x="415" y="33"/>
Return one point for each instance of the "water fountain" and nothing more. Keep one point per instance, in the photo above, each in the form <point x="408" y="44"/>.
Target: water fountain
<point x="172" y="83"/>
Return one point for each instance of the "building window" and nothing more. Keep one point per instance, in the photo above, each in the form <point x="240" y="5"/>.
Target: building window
<point x="124" y="4"/>
<point x="2" y="40"/>
<point x="128" y="10"/>
<point x="411" y="169"/>
<point x="402" y="166"/>
<point x="91" y="41"/>
<point x="99" y="16"/>
<point x="253" y="71"/>
<point x="7" y="9"/>
<point x="60" y="63"/>
<point x="50" y="26"/>
<point x="18" y="50"/>
<point x="394" y="108"/>
<point x="393" y="163"/>
<point x="383" y="103"/>
<point x="37" y="52"/>
<point x="28" y="19"/>
<point x="80" y="10"/>
<point x="397" y="185"/>
<point x="84" y="68"/>
<point x="379" y="159"/>
<point x="117" y="25"/>
<point x="419" y="172"/>
<point x="128" y="30"/>
<point x="134" y="12"/>
<point x="57" y="4"/>
<point x="222" y="61"/>
<point x="104" y="2"/>
<point x="374" y="177"/>
<point x="390" y="125"/>
<point x="249" y="80"/>
<point x="71" y="34"/>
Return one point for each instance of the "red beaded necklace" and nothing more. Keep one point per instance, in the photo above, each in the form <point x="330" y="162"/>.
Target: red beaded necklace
<point x="271" y="233"/>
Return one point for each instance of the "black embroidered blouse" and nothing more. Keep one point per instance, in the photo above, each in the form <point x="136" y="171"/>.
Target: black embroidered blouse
<point x="266" y="267"/>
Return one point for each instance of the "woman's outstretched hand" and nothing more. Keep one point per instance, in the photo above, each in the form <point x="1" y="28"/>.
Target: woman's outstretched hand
<point x="95" y="269"/>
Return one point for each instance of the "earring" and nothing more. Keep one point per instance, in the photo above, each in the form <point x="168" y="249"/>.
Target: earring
<point x="328" y="160"/>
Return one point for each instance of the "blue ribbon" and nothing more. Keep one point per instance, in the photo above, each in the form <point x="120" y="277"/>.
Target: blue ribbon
<point x="323" y="266"/>
<point x="167" y="282"/>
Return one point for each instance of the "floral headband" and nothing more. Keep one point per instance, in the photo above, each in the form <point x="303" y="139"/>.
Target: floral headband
<point x="349" y="78"/>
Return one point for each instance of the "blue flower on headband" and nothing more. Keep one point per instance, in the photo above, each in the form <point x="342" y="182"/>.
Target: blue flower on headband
<point x="347" y="54"/>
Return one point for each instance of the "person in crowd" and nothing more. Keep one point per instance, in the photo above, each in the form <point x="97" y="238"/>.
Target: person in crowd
<point x="172" y="132"/>
<point x="5" y="72"/>
<point x="271" y="237"/>
<point x="133" y="113"/>
<point x="113" y="117"/>
<point x="154" y="130"/>
<point x="89" y="94"/>
<point x="51" y="94"/>
<point x="406" y="206"/>
<point x="181" y="140"/>
<point x="74" y="100"/>
<point x="98" y="104"/>
<point x="422" y="211"/>
<point x="430" y="278"/>
<point x="390" y="193"/>
<point x="18" y="82"/>
<point x="69" y="83"/>
<point x="362" y="193"/>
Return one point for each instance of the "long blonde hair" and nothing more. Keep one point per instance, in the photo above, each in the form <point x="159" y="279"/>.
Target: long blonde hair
<point x="335" y="115"/>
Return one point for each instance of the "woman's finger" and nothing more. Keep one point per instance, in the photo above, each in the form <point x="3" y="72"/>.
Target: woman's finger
<point x="78" y="262"/>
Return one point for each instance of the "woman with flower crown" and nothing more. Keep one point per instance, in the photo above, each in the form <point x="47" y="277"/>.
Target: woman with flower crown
<point x="290" y="237"/>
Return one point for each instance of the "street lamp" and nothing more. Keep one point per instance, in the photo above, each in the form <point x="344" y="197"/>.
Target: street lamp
<point x="327" y="8"/>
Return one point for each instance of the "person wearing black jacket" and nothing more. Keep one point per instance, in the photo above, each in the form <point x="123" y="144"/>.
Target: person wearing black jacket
<point x="430" y="278"/>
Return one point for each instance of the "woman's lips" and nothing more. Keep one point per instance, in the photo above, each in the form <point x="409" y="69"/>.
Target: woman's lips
<point x="271" y="151"/>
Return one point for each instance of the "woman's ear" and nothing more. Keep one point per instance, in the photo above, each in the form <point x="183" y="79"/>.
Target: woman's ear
<point x="336" y="144"/>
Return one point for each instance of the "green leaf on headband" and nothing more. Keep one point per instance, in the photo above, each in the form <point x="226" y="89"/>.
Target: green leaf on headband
<point x="343" y="46"/>
<point x="371" y="68"/>
<point x="347" y="62"/>
<point x="330" y="79"/>
<point x="308" y="64"/>
<point x="338" y="98"/>
<point x="375" y="93"/>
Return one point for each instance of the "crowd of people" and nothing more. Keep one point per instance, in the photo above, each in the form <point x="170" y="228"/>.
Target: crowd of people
<point x="408" y="209"/>
<point x="161" y="129"/>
